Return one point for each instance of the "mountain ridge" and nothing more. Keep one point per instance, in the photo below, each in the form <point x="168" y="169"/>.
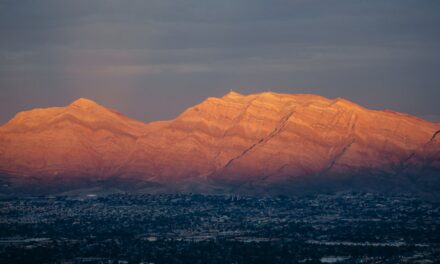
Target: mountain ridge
<point x="260" y="139"/>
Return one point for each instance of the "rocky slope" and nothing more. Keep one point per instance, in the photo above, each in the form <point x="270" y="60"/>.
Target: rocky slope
<point x="261" y="142"/>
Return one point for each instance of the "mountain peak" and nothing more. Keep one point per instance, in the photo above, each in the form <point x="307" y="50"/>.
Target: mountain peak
<point x="232" y="94"/>
<point x="269" y="94"/>
<point x="84" y="102"/>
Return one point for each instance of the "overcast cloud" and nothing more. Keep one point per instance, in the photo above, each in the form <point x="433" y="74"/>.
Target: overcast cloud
<point x="152" y="59"/>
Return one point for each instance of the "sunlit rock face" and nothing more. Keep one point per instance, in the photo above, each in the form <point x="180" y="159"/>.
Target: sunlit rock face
<point x="258" y="140"/>
<point x="82" y="139"/>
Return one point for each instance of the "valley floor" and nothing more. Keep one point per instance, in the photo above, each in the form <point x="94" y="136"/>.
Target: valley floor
<point x="187" y="228"/>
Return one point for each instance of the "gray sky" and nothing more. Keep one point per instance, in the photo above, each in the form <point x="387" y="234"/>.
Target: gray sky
<point x="152" y="59"/>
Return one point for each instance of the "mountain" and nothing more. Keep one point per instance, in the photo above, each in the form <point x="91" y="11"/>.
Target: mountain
<point x="258" y="143"/>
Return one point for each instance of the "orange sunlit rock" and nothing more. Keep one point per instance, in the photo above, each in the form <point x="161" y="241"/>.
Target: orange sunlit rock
<point x="261" y="138"/>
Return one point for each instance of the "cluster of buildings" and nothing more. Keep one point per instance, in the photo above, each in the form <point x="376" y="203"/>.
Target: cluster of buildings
<point x="144" y="228"/>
